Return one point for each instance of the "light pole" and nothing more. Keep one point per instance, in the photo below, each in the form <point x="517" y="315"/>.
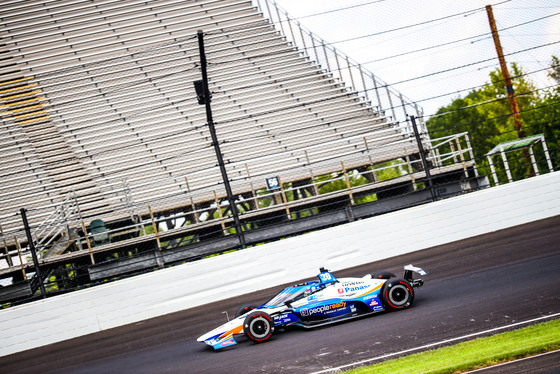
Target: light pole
<point x="205" y="99"/>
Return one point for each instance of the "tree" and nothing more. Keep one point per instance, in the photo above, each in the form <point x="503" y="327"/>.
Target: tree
<point x="485" y="114"/>
<point x="554" y="72"/>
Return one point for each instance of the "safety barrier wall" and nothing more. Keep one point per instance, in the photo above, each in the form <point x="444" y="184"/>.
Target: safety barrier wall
<point x="127" y="301"/>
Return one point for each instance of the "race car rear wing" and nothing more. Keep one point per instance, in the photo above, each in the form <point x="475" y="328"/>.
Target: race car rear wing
<point x="408" y="270"/>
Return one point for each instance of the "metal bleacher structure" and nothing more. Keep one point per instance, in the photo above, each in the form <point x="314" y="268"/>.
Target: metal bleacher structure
<point x="100" y="121"/>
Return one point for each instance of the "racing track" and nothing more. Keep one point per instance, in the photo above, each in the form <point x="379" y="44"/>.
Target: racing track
<point x="474" y="285"/>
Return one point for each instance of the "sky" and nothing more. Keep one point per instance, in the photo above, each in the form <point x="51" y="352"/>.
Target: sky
<point x="448" y="43"/>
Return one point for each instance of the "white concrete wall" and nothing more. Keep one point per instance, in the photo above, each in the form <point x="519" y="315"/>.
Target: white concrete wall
<point x="186" y="286"/>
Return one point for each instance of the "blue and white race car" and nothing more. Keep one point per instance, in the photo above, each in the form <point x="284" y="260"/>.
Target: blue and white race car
<point x="318" y="303"/>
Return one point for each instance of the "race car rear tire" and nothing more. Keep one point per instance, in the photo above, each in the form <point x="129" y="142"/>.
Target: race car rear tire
<point x="258" y="326"/>
<point x="383" y="274"/>
<point x="244" y="309"/>
<point x="396" y="294"/>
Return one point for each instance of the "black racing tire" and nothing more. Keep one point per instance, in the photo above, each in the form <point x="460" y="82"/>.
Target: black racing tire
<point x="258" y="326"/>
<point x="397" y="294"/>
<point x="245" y="309"/>
<point x="383" y="274"/>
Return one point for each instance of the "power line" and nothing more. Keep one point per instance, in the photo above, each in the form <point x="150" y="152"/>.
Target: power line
<point x="462" y="90"/>
<point x="470" y="64"/>
<point x="491" y="101"/>
<point x="339" y="9"/>
<point x="473" y="11"/>
<point x="459" y="40"/>
<point x="479" y="86"/>
<point x="269" y="54"/>
<point x="278" y="53"/>
<point x="452" y="128"/>
<point x="359" y="92"/>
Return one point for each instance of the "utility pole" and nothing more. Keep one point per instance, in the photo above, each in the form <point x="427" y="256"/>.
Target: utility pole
<point x="205" y="99"/>
<point x="505" y="74"/>
<point x="509" y="87"/>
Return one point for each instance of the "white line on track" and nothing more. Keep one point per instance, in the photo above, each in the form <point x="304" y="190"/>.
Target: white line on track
<point x="512" y="362"/>
<point x="339" y="368"/>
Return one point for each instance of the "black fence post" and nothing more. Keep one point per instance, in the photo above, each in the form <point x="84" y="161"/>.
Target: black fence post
<point x="425" y="163"/>
<point x="33" y="252"/>
<point x="206" y="100"/>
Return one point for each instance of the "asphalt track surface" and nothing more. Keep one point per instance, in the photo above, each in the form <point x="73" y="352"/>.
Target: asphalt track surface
<point x="473" y="285"/>
<point x="545" y="363"/>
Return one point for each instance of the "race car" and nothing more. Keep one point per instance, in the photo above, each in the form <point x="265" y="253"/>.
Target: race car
<point x="317" y="303"/>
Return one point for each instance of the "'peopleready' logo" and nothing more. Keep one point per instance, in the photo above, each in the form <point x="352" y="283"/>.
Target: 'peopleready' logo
<point x="323" y="309"/>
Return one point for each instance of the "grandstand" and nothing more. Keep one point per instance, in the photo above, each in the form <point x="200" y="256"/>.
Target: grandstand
<point x="100" y="119"/>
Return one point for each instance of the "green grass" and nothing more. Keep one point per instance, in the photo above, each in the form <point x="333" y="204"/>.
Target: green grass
<point x="543" y="337"/>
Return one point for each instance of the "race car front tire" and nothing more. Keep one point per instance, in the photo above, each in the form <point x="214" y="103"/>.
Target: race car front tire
<point x="258" y="326"/>
<point x="397" y="293"/>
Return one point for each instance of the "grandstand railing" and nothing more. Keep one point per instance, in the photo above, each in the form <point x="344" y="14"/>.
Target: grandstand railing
<point x="357" y="78"/>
